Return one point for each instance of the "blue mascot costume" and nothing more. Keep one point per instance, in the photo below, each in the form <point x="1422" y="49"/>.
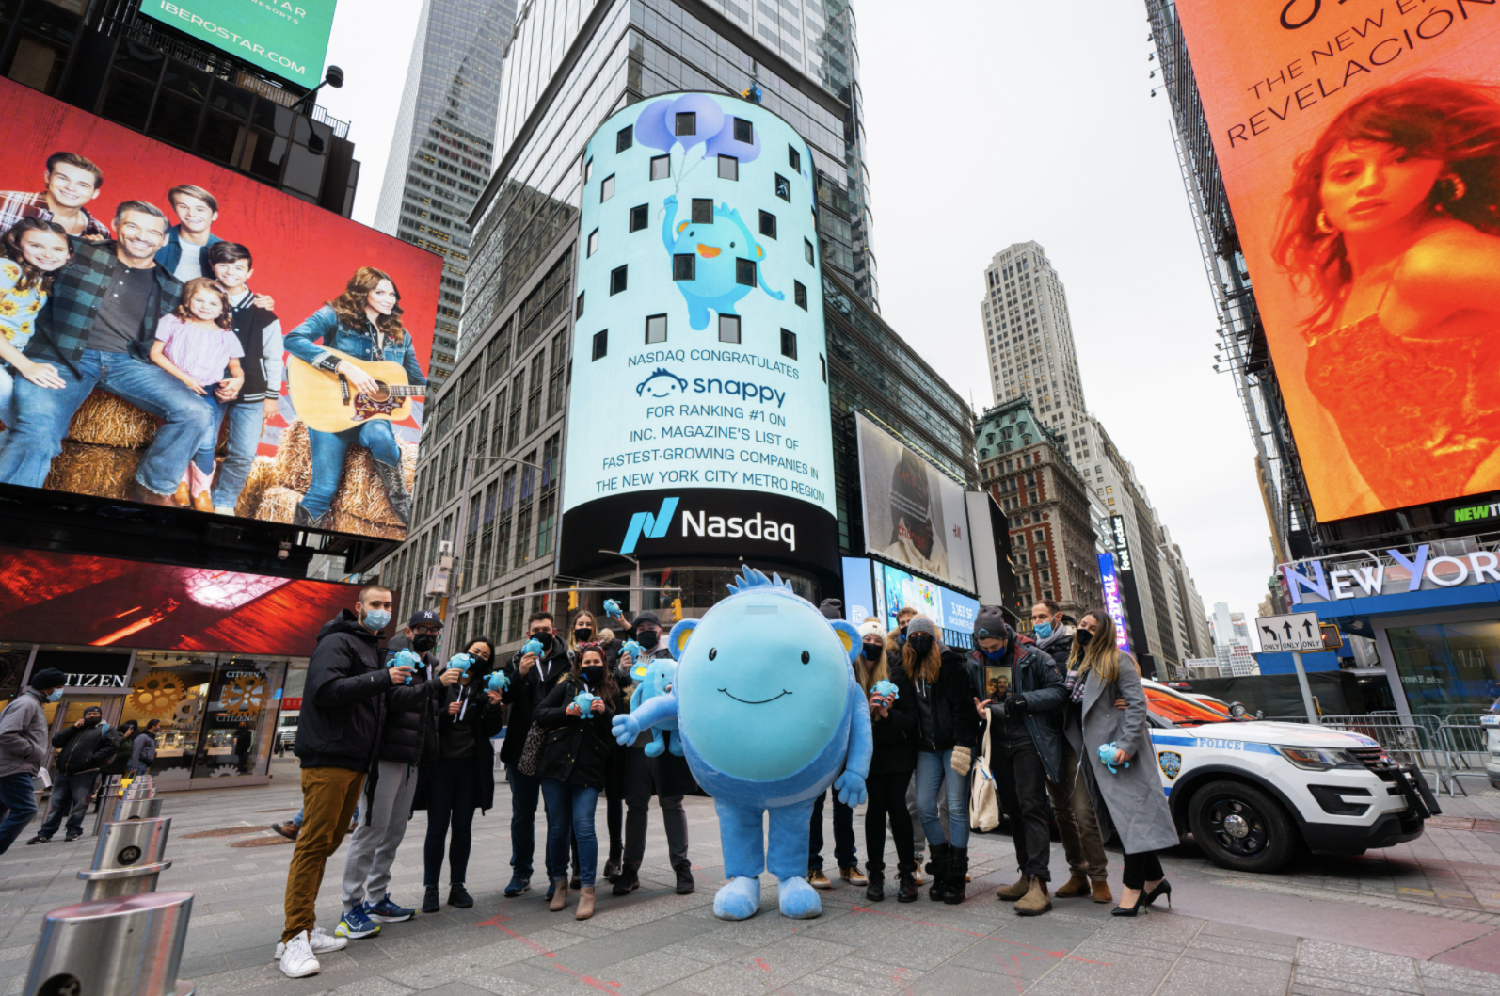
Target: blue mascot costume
<point x="768" y="714"/>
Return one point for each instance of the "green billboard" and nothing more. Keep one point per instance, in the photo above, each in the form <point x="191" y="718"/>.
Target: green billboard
<point x="288" y="38"/>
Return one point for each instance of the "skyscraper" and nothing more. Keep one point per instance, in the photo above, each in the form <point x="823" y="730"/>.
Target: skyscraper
<point x="443" y="145"/>
<point x="1029" y="340"/>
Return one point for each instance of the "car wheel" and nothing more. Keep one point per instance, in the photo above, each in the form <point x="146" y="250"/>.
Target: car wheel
<point x="1241" y="827"/>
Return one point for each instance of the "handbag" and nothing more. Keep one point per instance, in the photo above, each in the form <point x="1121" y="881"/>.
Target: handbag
<point x="984" y="803"/>
<point x="531" y="751"/>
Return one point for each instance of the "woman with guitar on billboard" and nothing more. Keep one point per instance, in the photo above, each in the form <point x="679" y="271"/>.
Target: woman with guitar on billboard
<point x="349" y="388"/>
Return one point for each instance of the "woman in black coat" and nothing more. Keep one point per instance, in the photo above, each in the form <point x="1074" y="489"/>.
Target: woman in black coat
<point x="893" y="726"/>
<point x="458" y="777"/>
<point x="575" y="763"/>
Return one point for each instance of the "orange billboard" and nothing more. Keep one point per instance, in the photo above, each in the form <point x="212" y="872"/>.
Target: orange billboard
<point x="1360" y="148"/>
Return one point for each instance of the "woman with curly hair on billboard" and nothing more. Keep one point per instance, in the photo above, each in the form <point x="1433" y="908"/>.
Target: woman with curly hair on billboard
<point x="1393" y="229"/>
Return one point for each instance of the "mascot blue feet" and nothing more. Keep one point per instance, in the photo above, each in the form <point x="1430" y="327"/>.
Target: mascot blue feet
<point x="739" y="899"/>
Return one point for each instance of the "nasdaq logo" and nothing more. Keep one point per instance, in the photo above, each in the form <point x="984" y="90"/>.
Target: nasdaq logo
<point x="648" y="525"/>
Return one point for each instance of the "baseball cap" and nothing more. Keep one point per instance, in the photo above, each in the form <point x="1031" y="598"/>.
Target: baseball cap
<point x="424" y="617"/>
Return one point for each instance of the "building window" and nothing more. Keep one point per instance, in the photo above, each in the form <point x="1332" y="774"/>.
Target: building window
<point x="578" y="310"/>
<point x="703" y="211"/>
<point x="744" y="272"/>
<point x="601" y="344"/>
<point x="768" y="224"/>
<point x="794" y="159"/>
<point x="799" y="294"/>
<point x="588" y="170"/>
<point x="606" y="188"/>
<point x="624" y="138"/>
<point x="822" y="368"/>
<point x="729" y="168"/>
<point x="687" y="123"/>
<point x="729" y="328"/>
<point x="656" y="329"/>
<point x="789" y="344"/>
<point x="809" y="252"/>
<point x="1041" y="537"/>
<point x="744" y="131"/>
<point x="682" y="265"/>
<point x="661" y="167"/>
<point x="617" y="280"/>
<point x="593" y="242"/>
<point x="638" y="218"/>
<point x="783" y="187"/>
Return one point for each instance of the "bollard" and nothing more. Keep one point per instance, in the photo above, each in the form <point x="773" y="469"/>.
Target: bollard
<point x="129" y="857"/>
<point x="113" y="792"/>
<point x="129" y="946"/>
<point x="137" y="809"/>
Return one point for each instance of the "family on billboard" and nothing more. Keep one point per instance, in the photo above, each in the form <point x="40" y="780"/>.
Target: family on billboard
<point x="166" y="317"/>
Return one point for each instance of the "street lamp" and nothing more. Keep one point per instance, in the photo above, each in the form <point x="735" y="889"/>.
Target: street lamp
<point x="334" y="78"/>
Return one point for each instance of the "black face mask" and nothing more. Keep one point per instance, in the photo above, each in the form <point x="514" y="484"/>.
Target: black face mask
<point x="582" y="635"/>
<point x="648" y="638"/>
<point x="89" y="721"/>
<point x="921" y="643"/>
<point x="872" y="651"/>
<point x="593" y="675"/>
<point x="545" y="639"/>
<point x="1082" y="637"/>
<point x="423" y="642"/>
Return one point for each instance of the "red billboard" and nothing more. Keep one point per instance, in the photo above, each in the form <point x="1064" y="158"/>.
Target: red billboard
<point x="175" y="333"/>
<point x="104" y="602"/>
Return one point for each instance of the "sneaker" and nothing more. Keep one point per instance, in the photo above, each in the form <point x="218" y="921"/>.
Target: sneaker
<point x="356" y="924"/>
<point x="431" y="901"/>
<point x="386" y="911"/>
<point x="684" y="880"/>
<point x="39" y="839"/>
<point x="817" y="879"/>
<point x="289" y="830"/>
<point x="70" y="838"/>
<point x="459" y="897"/>
<point x="322" y="942"/>
<point x="852" y="876"/>
<point x="517" y="886"/>
<point x="296" y="959"/>
<point x="627" y="882"/>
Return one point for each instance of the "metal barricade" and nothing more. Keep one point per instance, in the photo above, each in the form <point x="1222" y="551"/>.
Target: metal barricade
<point x="125" y="946"/>
<point x="1465" y="741"/>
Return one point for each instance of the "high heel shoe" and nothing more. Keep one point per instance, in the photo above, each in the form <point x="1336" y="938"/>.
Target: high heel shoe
<point x="1138" y="909"/>
<point x="1164" y="889"/>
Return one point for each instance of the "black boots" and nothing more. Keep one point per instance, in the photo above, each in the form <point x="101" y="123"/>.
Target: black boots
<point x="627" y="881"/>
<point x="875" y="891"/>
<point x="909" y="892"/>
<point x="958" y="871"/>
<point x="393" y="479"/>
<point x="938" y="866"/>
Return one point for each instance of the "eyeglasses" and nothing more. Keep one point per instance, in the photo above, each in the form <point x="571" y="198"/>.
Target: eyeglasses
<point x="428" y="630"/>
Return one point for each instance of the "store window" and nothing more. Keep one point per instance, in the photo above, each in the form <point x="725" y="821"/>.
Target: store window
<point x="1448" y="668"/>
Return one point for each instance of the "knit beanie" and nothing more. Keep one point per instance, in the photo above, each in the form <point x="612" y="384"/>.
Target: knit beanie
<point x="871" y="627"/>
<point x="921" y="624"/>
<point x="990" y="624"/>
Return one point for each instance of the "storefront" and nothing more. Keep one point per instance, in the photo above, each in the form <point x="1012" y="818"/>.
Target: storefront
<point x="1432" y="612"/>
<point x="209" y="654"/>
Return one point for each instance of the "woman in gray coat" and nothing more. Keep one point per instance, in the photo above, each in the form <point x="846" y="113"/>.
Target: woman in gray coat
<point x="1130" y="798"/>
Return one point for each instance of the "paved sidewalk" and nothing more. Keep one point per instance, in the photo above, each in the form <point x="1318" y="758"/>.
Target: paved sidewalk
<point x="1420" y="919"/>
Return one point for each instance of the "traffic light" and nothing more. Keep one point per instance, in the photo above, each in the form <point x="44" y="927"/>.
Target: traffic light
<point x="677" y="610"/>
<point x="1332" y="638"/>
<point x="572" y="599"/>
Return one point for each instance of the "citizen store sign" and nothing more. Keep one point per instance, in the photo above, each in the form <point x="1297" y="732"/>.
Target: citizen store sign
<point x="1388" y="572"/>
<point x="87" y="669"/>
<point x="699" y="523"/>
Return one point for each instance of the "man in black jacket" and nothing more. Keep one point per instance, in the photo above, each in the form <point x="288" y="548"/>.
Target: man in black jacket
<point x="407" y="739"/>
<point x="338" y="733"/>
<point x="531" y="676"/>
<point x="83" y="749"/>
<point x="1025" y="697"/>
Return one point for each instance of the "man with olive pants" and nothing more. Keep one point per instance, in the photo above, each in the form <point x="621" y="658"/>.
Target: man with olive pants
<point x="338" y="732"/>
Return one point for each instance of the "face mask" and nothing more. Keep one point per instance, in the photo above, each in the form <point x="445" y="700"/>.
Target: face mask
<point x="56" y="694"/>
<point x="377" y="619"/>
<point x="545" y="639"/>
<point x="594" y="675"/>
<point x="648" y="638"/>
<point x="90" y="721"/>
<point x="872" y="651"/>
<point x="921" y="643"/>
<point x="1043" y="630"/>
<point x="1083" y="637"/>
<point x="423" y="643"/>
<point x="994" y="655"/>
<point x="582" y="635"/>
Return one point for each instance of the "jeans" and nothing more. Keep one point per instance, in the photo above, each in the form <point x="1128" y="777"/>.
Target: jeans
<point x="329" y="796"/>
<point x="246" y="423"/>
<point x="1141" y="868"/>
<point x="43" y="415"/>
<point x="328" y="452"/>
<point x="18" y="800"/>
<point x="133" y="768"/>
<point x="71" y="792"/>
<point x="450" y="799"/>
<point x="524" y="790"/>
<point x="888" y="798"/>
<point x="1076" y="824"/>
<point x="1020" y="767"/>
<point x="8" y="378"/>
<point x="570" y="814"/>
<point x="843" y="834"/>
<point x="934" y="769"/>
<point x="204" y="458"/>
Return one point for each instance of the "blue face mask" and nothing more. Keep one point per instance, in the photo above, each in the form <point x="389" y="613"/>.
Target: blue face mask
<point x="56" y="694"/>
<point x="1043" y="630"/>
<point x="994" y="655"/>
<point x="377" y="619"/>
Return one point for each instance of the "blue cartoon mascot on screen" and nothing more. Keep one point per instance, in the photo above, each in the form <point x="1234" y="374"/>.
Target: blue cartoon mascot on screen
<point x="769" y="715"/>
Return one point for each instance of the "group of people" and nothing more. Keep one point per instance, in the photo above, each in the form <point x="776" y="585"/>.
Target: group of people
<point x="163" y="316"/>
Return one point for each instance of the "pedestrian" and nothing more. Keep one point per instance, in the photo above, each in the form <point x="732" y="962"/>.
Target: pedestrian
<point x="532" y="676"/>
<point x="461" y="778"/>
<point x="143" y="749"/>
<point x="82" y="749"/>
<point x="894" y="640"/>
<point x="947" y="731"/>
<point x="1129" y="798"/>
<point x="580" y="631"/>
<point x="23" y="750"/>
<point x="893" y="730"/>
<point x="666" y="776"/>
<point x="843" y="816"/>
<point x="1023" y="706"/>
<point x="338" y="735"/>
<point x="118" y="764"/>
<point x="408" y="737"/>
<point x="576" y="717"/>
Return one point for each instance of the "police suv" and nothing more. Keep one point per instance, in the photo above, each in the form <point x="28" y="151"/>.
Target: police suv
<point x="1251" y="791"/>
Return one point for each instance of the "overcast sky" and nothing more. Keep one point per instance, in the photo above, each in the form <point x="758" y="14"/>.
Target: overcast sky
<point x="988" y="124"/>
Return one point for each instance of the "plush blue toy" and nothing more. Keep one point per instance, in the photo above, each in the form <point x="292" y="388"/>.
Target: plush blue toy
<point x="532" y="646"/>
<point x="585" y="702"/>
<point x="634" y="650"/>
<point x="887" y="689"/>
<point x="406" y="658"/>
<point x="461" y="661"/>
<point x="656" y="677"/>
<point x="1107" y="757"/>
<point x="769" y="712"/>
<point x="497" y="682"/>
<point x="612" y="609"/>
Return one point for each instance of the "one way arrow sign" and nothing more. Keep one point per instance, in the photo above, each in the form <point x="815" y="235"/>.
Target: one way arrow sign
<point x="1293" y="632"/>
